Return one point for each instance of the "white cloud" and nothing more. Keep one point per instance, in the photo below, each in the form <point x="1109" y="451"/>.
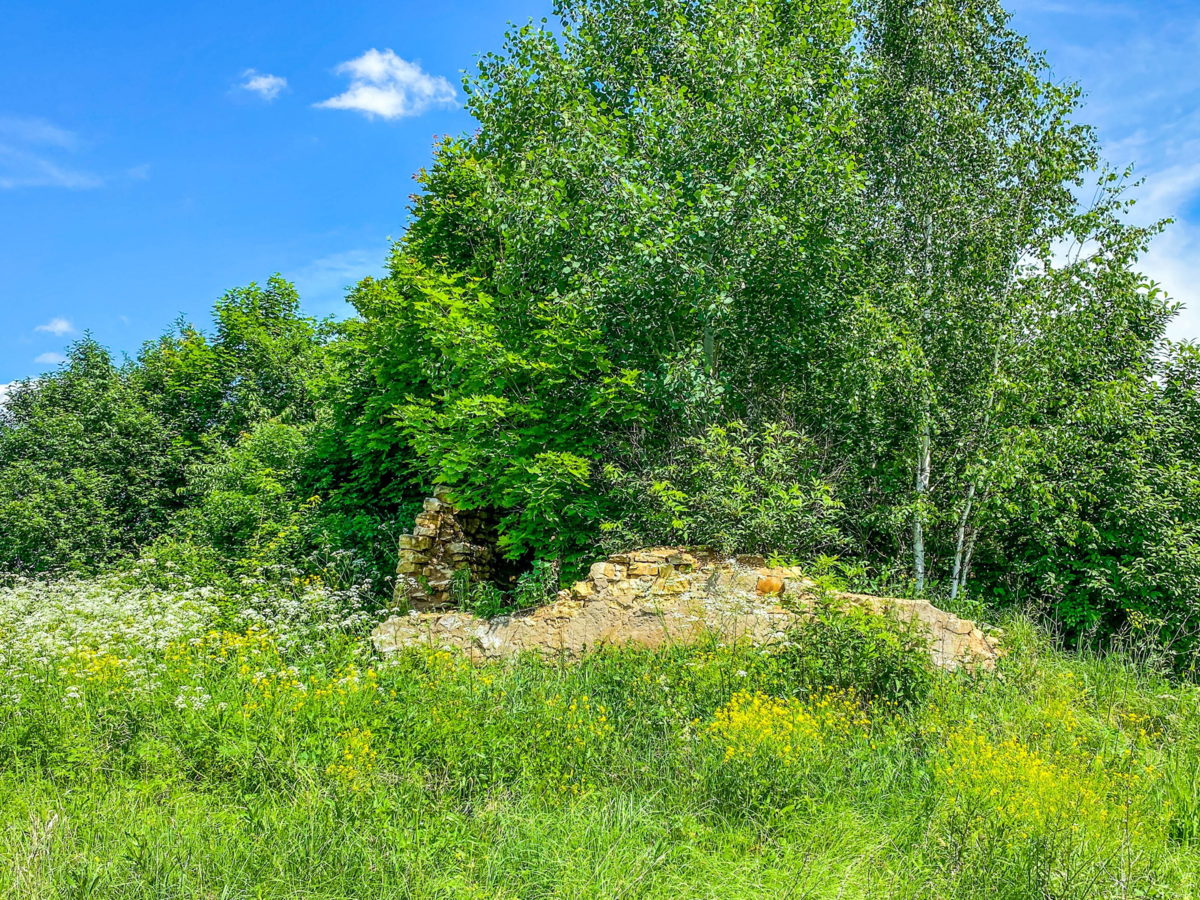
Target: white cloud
<point x="1137" y="62"/>
<point x="266" y="86"/>
<point x="5" y="390"/>
<point x="57" y="326"/>
<point x="27" y="149"/>
<point x="50" y="359"/>
<point x="383" y="84"/>
<point x="37" y="131"/>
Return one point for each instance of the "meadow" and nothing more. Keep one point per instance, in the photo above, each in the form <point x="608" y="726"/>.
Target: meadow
<point x="164" y="741"/>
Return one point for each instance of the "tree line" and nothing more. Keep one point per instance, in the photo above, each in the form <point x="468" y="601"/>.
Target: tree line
<point x="806" y="277"/>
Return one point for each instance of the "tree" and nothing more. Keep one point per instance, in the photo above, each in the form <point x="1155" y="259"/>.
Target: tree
<point x="265" y="361"/>
<point x="971" y="156"/>
<point x="87" y="470"/>
<point x="644" y="238"/>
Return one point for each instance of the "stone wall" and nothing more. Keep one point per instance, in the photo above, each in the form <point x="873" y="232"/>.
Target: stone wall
<point x="444" y="540"/>
<point x="670" y="594"/>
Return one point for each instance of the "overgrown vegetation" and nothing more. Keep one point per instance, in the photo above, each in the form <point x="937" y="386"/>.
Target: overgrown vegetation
<point x="809" y="280"/>
<point x="796" y="278"/>
<point x="176" y="741"/>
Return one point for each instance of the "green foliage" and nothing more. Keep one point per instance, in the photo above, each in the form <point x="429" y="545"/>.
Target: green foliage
<point x="513" y="426"/>
<point x="537" y="586"/>
<point x="534" y="587"/>
<point x="851" y="649"/>
<point x="206" y="447"/>
<point x="49" y="521"/>
<point x="264" y="361"/>
<point x="245" y="492"/>
<point x="88" y="472"/>
<point x="730" y="489"/>
<point x="1102" y="516"/>
<point x="275" y="761"/>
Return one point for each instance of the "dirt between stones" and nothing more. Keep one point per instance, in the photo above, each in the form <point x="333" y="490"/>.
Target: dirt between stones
<point x="667" y="595"/>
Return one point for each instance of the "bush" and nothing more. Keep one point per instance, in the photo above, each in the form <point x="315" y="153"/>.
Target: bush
<point x="54" y="521"/>
<point x="849" y="648"/>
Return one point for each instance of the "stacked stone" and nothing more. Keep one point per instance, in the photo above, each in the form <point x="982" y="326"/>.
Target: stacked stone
<point x="663" y="595"/>
<point x="444" y="540"/>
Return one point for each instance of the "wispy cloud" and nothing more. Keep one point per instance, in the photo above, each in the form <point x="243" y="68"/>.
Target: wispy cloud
<point x="382" y="84"/>
<point x="322" y="284"/>
<point x="1137" y="61"/>
<point x="28" y="148"/>
<point x="266" y="86"/>
<point x="57" y="326"/>
<point x="50" y="359"/>
<point x="37" y="131"/>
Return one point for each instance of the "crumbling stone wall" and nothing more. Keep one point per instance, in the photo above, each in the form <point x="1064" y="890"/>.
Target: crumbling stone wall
<point x="665" y="595"/>
<point x="444" y="540"/>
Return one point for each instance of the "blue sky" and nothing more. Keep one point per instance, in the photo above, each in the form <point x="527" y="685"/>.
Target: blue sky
<point x="154" y="155"/>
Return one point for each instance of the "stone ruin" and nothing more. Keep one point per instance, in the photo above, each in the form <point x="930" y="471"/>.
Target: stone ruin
<point x="646" y="598"/>
<point x="444" y="540"/>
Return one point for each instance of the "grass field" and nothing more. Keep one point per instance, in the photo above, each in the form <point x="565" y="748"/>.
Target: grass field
<point x="171" y="742"/>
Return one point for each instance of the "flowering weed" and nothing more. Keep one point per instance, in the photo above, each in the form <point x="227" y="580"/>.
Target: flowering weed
<point x="274" y="755"/>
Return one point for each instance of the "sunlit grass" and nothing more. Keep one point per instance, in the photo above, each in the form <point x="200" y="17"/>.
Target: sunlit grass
<point x="230" y="763"/>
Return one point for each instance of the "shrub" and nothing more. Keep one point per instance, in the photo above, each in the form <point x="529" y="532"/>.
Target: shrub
<point x="54" y="520"/>
<point x="846" y="647"/>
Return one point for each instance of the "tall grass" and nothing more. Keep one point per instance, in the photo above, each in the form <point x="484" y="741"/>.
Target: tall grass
<point x="245" y="757"/>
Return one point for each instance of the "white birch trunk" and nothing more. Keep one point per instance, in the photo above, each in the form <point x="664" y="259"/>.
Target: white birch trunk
<point x="923" y="451"/>
<point x="967" y="558"/>
<point x="923" y="461"/>
<point x="958" y="576"/>
<point x="962" y="556"/>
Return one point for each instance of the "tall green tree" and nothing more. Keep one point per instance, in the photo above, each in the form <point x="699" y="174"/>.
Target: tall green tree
<point x="645" y="238"/>
<point x="972" y="156"/>
<point x="87" y="469"/>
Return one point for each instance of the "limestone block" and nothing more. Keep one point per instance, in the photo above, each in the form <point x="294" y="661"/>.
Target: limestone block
<point x="415" y="542"/>
<point x="432" y="505"/>
<point x="651" y="556"/>
<point x="642" y="570"/>
<point x="407" y="567"/>
<point x="602" y="570"/>
<point x="668" y="585"/>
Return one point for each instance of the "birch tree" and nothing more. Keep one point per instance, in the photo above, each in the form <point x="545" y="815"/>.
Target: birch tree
<point x="971" y="154"/>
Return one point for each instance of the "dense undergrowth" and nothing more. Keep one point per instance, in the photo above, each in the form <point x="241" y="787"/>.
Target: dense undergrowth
<point x="165" y="741"/>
